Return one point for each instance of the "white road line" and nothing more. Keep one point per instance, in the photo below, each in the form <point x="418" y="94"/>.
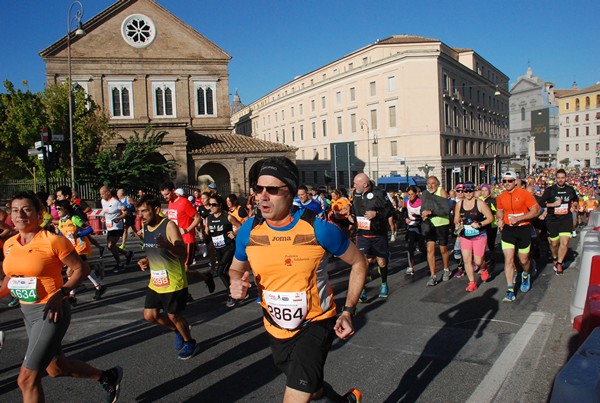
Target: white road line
<point x="491" y="384"/>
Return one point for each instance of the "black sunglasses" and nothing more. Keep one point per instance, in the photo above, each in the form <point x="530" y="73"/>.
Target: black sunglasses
<point x="214" y="204"/>
<point x="59" y="209"/>
<point x="469" y="191"/>
<point x="508" y="180"/>
<point x="272" y="190"/>
<point x="459" y="191"/>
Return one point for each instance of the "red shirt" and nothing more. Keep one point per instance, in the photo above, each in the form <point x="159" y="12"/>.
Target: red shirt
<point x="182" y="213"/>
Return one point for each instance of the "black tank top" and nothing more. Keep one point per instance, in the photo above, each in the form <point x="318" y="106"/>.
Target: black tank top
<point x="469" y="217"/>
<point x="218" y="229"/>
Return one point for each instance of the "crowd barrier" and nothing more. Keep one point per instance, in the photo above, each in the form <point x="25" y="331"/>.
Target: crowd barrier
<point x="590" y="248"/>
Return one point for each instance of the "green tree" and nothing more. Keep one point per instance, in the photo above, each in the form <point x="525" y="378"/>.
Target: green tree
<point x="90" y="127"/>
<point x="135" y="162"/>
<point x="22" y="118"/>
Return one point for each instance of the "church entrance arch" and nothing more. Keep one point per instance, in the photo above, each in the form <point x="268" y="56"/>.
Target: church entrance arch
<point x="217" y="173"/>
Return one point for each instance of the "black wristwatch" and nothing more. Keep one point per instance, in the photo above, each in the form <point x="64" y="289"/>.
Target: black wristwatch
<point x="65" y="291"/>
<point x="350" y="309"/>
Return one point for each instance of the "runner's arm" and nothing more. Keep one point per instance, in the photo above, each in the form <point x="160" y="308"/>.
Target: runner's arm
<point x="343" y="325"/>
<point x="197" y="219"/>
<point x="174" y="244"/>
<point x="239" y="273"/>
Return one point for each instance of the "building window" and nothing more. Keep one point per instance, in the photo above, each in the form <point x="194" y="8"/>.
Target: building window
<point x="587" y="131"/>
<point x="587" y="102"/>
<point x="372" y="89"/>
<point x="164" y="98"/>
<point x="587" y="117"/>
<point x="577" y="104"/>
<point x="392" y="115"/>
<point x="353" y="123"/>
<point x="567" y="106"/>
<point x="374" y="119"/>
<point x="567" y="147"/>
<point x="276" y="115"/>
<point x="587" y="146"/>
<point x="352" y="94"/>
<point x="567" y="119"/>
<point x="282" y="115"/>
<point x="301" y="132"/>
<point x="577" y="132"/>
<point x="206" y="98"/>
<point x="293" y="134"/>
<point x="339" y="124"/>
<point x="598" y="130"/>
<point x="314" y="130"/>
<point x="138" y="31"/>
<point x="567" y="132"/>
<point x="301" y="109"/>
<point x="315" y="154"/>
<point x="375" y="148"/>
<point x="325" y="155"/>
<point x="394" y="148"/>
<point x="522" y="113"/>
<point x="576" y="147"/>
<point x="121" y="99"/>
<point x="303" y="157"/>
<point x="447" y="114"/>
<point x="324" y="123"/>
<point x="456" y="117"/>
<point x="338" y="98"/>
<point x="292" y="111"/>
<point x="323" y="103"/>
<point x="391" y="84"/>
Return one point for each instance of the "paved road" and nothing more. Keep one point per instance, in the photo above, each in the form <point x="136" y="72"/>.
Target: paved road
<point x="429" y="344"/>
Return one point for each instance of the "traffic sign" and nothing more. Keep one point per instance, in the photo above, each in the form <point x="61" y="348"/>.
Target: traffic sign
<point x="40" y="156"/>
<point x="456" y="170"/>
<point x="482" y="167"/>
<point x="38" y="144"/>
<point x="57" y="137"/>
<point x="33" y="151"/>
<point x="44" y="134"/>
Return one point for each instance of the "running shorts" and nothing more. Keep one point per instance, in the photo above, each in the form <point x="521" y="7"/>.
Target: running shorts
<point x="475" y="244"/>
<point x="302" y="357"/>
<point x="191" y="253"/>
<point x="440" y="234"/>
<point x="557" y="228"/>
<point x="373" y="246"/>
<point x="45" y="337"/>
<point x="116" y="233"/>
<point x="170" y="302"/>
<point x="516" y="236"/>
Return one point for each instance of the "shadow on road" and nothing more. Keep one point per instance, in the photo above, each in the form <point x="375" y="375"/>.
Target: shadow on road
<point x="469" y="317"/>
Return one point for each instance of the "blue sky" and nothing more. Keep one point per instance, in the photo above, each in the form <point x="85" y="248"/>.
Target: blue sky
<point x="273" y="41"/>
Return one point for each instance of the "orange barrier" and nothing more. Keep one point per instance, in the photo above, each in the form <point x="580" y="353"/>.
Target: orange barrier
<point x="591" y="313"/>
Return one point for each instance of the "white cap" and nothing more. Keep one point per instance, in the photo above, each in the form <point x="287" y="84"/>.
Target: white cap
<point x="510" y="174"/>
<point x="179" y="191"/>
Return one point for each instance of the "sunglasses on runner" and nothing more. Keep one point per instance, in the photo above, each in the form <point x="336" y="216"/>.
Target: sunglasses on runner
<point x="508" y="180"/>
<point x="214" y="204"/>
<point x="459" y="191"/>
<point x="272" y="190"/>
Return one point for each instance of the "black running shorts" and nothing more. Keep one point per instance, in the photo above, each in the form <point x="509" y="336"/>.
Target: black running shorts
<point x="170" y="302"/>
<point x="440" y="234"/>
<point x="561" y="226"/>
<point x="517" y="236"/>
<point x="302" y="357"/>
<point x="373" y="246"/>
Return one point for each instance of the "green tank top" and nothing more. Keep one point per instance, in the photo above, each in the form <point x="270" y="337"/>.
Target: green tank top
<point x="167" y="272"/>
<point x="439" y="221"/>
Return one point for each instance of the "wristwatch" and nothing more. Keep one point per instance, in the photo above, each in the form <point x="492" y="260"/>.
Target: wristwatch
<point x="350" y="309"/>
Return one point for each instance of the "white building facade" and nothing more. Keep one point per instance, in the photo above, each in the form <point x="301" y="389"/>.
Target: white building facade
<point x="405" y="104"/>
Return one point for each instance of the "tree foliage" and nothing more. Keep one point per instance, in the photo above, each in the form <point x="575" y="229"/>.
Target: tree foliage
<point x="136" y="162"/>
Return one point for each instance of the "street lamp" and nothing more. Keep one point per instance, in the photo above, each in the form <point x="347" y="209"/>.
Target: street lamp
<point x="78" y="33"/>
<point x="363" y="123"/>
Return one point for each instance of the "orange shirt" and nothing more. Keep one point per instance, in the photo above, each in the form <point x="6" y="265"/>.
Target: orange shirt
<point x="39" y="259"/>
<point x="515" y="203"/>
<point x="341" y="208"/>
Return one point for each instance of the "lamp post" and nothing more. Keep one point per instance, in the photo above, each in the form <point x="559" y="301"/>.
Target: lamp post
<point x="78" y="32"/>
<point x="363" y="123"/>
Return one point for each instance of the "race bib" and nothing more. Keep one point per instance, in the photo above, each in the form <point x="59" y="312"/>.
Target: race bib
<point x="363" y="223"/>
<point x="562" y="209"/>
<point x="218" y="241"/>
<point x="160" y="278"/>
<point x="516" y="215"/>
<point x="470" y="231"/>
<point x="287" y="309"/>
<point x="24" y="288"/>
<point x="109" y="224"/>
<point x="172" y="215"/>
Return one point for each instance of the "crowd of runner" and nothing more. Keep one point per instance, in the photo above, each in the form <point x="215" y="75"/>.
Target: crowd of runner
<point x="246" y="242"/>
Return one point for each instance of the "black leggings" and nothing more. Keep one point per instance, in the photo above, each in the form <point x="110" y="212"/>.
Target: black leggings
<point x="414" y="239"/>
<point x="224" y="258"/>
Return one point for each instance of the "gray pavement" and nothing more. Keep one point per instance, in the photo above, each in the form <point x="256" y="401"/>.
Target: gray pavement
<point x="428" y="344"/>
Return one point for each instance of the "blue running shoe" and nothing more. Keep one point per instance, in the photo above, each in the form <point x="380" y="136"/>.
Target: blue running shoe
<point x="383" y="290"/>
<point x="363" y="296"/>
<point x="525" y="282"/>
<point x="188" y="350"/>
<point x="510" y="296"/>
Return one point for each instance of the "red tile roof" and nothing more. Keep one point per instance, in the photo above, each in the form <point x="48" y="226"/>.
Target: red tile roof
<point x="217" y="143"/>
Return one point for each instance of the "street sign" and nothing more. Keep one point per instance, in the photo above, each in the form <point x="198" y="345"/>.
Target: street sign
<point x="40" y="156"/>
<point x="38" y="144"/>
<point x="482" y="167"/>
<point x="33" y="151"/>
<point x="44" y="134"/>
<point x="456" y="170"/>
<point x="58" y="137"/>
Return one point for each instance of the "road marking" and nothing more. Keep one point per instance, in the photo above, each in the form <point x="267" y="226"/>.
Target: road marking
<point x="491" y="384"/>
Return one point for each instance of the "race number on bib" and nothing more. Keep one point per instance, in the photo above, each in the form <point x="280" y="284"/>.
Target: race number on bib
<point x="515" y="216"/>
<point x="470" y="231"/>
<point x="109" y="224"/>
<point x="24" y="288"/>
<point x="363" y="223"/>
<point x="160" y="278"/>
<point x="218" y="241"/>
<point x="562" y="209"/>
<point x="287" y="309"/>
